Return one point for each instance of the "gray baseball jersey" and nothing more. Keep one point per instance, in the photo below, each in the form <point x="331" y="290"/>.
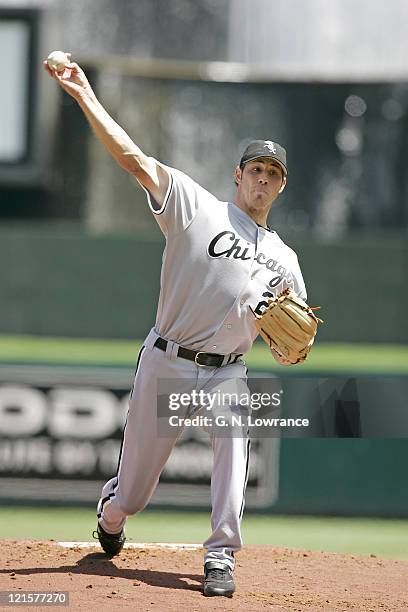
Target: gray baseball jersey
<point x="217" y="262"/>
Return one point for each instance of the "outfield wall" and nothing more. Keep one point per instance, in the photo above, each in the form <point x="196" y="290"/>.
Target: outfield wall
<point x="61" y="430"/>
<point x="351" y="477"/>
<point x="65" y="282"/>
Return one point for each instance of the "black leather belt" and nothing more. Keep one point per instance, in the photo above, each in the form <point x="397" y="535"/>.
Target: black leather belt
<point x="210" y="360"/>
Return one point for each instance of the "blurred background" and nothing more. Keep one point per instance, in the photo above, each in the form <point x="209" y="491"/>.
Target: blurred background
<point x="192" y="81"/>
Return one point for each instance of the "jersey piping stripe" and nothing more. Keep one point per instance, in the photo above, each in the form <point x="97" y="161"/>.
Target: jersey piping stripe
<point x="115" y="486"/>
<point x="166" y="197"/>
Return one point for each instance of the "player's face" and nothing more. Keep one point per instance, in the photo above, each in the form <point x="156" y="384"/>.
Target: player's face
<point x="259" y="182"/>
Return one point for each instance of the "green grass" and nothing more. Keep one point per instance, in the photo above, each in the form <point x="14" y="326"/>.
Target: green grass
<point x="36" y="349"/>
<point x="383" y="537"/>
<point x="325" y="357"/>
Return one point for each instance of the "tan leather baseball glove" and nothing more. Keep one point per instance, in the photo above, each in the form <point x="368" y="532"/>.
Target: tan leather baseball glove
<point x="288" y="326"/>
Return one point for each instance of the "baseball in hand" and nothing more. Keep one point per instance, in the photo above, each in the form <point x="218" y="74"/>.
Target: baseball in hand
<point x="58" y="60"/>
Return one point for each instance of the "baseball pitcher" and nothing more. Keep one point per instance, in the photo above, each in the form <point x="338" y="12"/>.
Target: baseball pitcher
<point x="226" y="277"/>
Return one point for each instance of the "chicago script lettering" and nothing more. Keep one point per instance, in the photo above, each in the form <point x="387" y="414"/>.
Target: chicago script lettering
<point x="234" y="250"/>
<point x="227" y="244"/>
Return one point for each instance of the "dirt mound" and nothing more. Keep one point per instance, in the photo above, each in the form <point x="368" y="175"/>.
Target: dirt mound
<point x="162" y="579"/>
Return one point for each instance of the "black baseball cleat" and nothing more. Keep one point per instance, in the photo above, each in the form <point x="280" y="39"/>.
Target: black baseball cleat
<point x="112" y="543"/>
<point x="218" y="579"/>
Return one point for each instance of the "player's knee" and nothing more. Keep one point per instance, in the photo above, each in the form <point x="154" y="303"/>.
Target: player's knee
<point x="133" y="506"/>
<point x="129" y="508"/>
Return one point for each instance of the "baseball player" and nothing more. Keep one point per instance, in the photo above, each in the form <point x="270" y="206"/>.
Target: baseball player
<point x="221" y="264"/>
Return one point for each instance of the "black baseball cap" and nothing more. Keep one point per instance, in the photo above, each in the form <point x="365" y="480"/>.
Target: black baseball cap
<point x="265" y="148"/>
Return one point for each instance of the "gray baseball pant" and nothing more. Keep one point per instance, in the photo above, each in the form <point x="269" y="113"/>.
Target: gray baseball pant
<point x="144" y="452"/>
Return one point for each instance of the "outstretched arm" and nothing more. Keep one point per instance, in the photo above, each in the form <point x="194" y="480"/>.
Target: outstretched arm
<point x="115" y="140"/>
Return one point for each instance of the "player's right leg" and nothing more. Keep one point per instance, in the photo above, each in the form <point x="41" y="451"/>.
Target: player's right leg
<point x="143" y="454"/>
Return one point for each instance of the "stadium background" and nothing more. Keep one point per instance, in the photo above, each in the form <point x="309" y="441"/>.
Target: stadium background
<point x="192" y="82"/>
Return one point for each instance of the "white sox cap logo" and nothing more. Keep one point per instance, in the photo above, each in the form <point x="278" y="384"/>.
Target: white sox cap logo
<point x="270" y="145"/>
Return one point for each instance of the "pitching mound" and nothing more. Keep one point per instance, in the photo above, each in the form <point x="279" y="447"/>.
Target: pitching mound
<point x="170" y="579"/>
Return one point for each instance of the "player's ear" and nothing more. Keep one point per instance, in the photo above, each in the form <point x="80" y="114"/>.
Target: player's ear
<point x="237" y="175"/>
<point x="283" y="185"/>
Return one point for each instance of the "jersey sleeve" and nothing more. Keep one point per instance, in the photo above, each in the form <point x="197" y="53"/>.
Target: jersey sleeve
<point x="180" y="205"/>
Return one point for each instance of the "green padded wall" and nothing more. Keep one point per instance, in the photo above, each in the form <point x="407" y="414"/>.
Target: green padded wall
<point x="56" y="281"/>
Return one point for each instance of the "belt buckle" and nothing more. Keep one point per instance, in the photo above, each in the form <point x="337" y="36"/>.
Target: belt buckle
<point x="201" y="365"/>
